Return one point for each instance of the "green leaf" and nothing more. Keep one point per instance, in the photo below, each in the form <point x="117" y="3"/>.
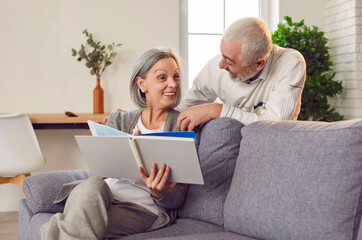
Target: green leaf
<point x="301" y="23"/>
<point x="86" y="32"/>
<point x="74" y="52"/>
<point x="110" y="47"/>
<point x="92" y="72"/>
<point x="89" y="64"/>
<point x="289" y="20"/>
<point x="113" y="54"/>
<point x="81" y="53"/>
<point x="94" y="54"/>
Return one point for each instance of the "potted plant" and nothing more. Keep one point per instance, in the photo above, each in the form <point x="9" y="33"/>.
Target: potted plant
<point x="319" y="84"/>
<point x="97" y="58"/>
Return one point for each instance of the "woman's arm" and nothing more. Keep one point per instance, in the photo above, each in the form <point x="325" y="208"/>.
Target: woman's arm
<point x="174" y="198"/>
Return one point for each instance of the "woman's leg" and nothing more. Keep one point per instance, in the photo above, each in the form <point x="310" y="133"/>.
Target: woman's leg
<point x="85" y="214"/>
<point x="127" y="218"/>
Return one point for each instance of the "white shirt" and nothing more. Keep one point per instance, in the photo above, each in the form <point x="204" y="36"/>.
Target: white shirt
<point x="126" y="190"/>
<point x="275" y="95"/>
<point x="144" y="130"/>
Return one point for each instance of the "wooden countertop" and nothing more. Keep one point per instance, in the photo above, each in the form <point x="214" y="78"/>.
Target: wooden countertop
<point x="61" y="118"/>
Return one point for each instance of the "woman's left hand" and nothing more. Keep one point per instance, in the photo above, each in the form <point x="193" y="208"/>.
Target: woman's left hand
<point x="157" y="180"/>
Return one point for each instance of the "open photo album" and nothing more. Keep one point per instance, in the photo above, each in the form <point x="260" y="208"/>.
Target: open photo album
<point x="113" y="153"/>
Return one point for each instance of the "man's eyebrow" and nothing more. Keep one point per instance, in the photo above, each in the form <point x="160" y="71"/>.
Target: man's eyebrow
<point x="228" y="58"/>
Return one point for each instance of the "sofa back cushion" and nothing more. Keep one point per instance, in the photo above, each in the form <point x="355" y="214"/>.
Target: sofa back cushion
<point x="218" y="151"/>
<point x="297" y="180"/>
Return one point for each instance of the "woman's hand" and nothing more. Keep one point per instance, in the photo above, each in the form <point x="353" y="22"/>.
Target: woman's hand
<point x="157" y="181"/>
<point x="137" y="132"/>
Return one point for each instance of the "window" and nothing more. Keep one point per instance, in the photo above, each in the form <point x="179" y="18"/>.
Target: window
<point x="202" y="25"/>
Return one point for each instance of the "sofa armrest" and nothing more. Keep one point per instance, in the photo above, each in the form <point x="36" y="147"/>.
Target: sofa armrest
<point x="40" y="190"/>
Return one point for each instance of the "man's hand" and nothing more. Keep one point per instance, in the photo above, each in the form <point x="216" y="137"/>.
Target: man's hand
<point x="199" y="114"/>
<point x="157" y="181"/>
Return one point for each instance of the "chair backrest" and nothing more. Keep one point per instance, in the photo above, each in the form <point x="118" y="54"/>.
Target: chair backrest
<point x="19" y="148"/>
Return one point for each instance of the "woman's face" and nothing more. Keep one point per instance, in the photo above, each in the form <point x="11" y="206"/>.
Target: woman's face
<point x="161" y="84"/>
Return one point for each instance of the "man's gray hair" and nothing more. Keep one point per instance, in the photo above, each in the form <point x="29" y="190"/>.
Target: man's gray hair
<point x="143" y="64"/>
<point x="254" y="37"/>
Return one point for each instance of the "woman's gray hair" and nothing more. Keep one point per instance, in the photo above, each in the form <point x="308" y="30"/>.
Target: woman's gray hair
<point x="143" y="64"/>
<point x="254" y="37"/>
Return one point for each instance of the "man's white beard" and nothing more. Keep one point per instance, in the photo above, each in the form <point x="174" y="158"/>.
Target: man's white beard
<point x="240" y="78"/>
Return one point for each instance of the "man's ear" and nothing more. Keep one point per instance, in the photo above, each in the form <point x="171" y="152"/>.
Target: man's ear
<point x="140" y="83"/>
<point x="260" y="64"/>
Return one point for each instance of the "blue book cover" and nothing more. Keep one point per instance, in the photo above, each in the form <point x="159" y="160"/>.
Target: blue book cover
<point x="172" y="134"/>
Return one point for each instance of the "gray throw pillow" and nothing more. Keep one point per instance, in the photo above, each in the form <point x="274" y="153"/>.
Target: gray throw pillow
<point x="40" y="190"/>
<point x="297" y="180"/>
<point x="218" y="151"/>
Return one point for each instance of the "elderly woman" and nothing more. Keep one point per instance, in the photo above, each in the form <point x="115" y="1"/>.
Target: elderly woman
<point x="97" y="208"/>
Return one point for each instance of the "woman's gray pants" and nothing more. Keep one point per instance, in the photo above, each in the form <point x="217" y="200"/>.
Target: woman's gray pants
<point x="91" y="213"/>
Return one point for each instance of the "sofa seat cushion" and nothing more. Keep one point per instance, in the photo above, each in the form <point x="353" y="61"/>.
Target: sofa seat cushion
<point x="35" y="224"/>
<point x="29" y="224"/>
<point x="179" y="228"/>
<point x="297" y="180"/>
<point x="209" y="236"/>
<point x="40" y="190"/>
<point x="218" y="151"/>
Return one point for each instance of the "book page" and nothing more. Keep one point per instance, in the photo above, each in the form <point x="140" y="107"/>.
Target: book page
<point x="103" y="130"/>
<point x="109" y="156"/>
<point x="180" y="154"/>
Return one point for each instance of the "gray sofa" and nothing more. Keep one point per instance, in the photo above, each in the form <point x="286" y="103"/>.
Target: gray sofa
<point x="267" y="180"/>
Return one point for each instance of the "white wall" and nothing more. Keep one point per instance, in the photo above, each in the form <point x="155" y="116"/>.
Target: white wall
<point x="38" y="73"/>
<point x="343" y="27"/>
<point x="312" y="11"/>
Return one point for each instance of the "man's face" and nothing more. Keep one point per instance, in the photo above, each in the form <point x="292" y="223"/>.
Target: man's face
<point x="231" y="62"/>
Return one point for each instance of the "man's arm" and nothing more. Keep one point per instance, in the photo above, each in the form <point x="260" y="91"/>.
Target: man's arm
<point x="284" y="100"/>
<point x="199" y="114"/>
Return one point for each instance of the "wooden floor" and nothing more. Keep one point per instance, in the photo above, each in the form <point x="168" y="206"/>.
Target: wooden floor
<point x="8" y="225"/>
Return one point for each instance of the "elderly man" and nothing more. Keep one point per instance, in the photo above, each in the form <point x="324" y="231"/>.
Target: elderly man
<point x="261" y="81"/>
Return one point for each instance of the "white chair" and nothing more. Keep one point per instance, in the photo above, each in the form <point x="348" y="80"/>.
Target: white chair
<point x="19" y="149"/>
